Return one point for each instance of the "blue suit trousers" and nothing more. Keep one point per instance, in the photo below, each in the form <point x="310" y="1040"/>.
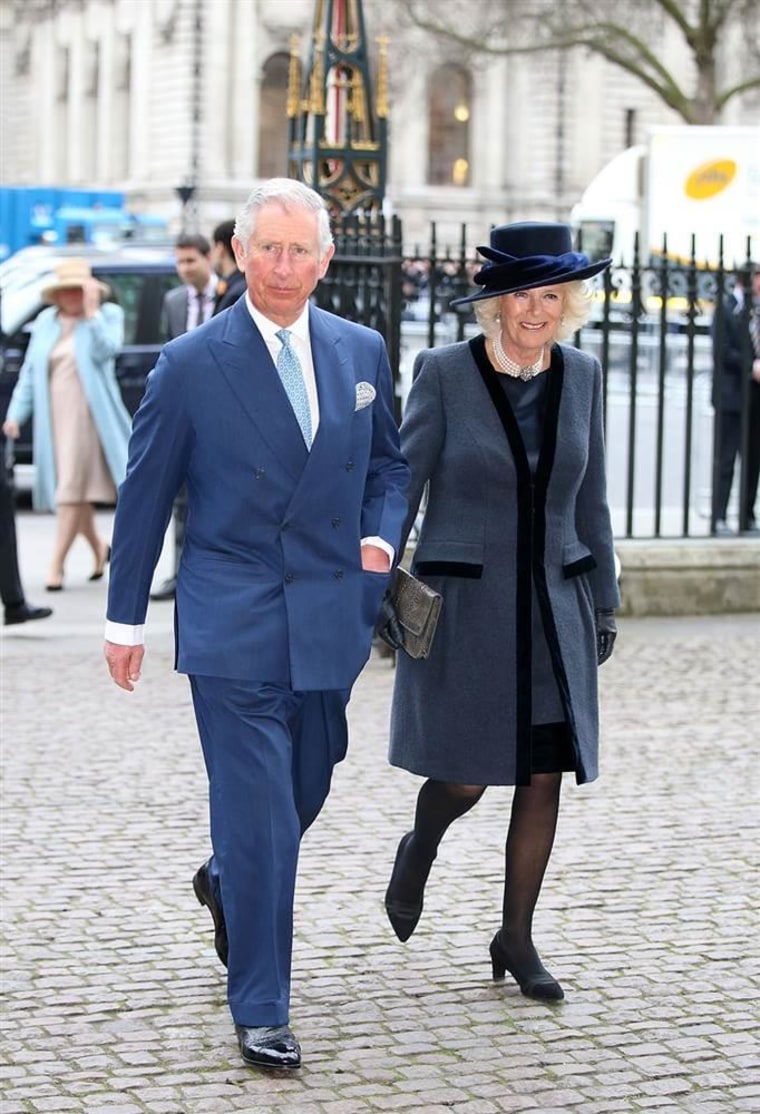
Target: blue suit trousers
<point x="269" y="754"/>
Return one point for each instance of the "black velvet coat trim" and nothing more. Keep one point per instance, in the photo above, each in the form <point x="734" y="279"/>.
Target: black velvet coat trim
<point x="531" y="542"/>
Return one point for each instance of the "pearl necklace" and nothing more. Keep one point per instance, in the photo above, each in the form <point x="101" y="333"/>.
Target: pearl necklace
<point x="510" y="367"/>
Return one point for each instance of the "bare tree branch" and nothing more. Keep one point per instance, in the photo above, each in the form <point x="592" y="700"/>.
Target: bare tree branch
<point x="632" y="45"/>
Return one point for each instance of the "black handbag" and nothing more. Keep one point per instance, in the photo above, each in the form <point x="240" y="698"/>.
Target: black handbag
<point x="417" y="608"/>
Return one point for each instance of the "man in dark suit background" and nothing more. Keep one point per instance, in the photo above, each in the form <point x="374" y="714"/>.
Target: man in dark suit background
<point x="231" y="280"/>
<point x="736" y="384"/>
<point x="191" y="304"/>
<point x="184" y="308"/>
<point x="279" y="418"/>
<point x="15" y="606"/>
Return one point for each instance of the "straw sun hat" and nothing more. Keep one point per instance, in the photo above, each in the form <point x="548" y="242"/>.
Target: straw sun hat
<point x="71" y="274"/>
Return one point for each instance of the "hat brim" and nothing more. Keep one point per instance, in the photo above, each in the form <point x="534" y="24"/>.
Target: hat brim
<point x="48" y="292"/>
<point x="509" y="284"/>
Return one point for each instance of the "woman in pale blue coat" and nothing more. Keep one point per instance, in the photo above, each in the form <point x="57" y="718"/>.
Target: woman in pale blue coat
<point x="81" y="426"/>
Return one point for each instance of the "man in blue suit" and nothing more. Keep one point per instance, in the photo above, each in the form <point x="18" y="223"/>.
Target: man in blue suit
<point x="279" y="418"/>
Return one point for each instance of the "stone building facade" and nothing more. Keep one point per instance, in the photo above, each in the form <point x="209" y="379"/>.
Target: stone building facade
<point x="150" y="95"/>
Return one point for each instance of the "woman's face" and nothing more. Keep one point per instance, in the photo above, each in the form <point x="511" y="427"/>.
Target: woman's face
<point x="530" y="318"/>
<point x="70" y="301"/>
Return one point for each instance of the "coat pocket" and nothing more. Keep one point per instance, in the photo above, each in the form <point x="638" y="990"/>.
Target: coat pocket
<point x="449" y="558"/>
<point x="577" y="558"/>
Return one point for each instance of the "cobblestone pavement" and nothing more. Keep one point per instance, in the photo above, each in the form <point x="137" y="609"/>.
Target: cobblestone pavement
<point x="114" y="1000"/>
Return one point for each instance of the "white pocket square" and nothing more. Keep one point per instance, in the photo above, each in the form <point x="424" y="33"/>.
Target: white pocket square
<point x="365" y="395"/>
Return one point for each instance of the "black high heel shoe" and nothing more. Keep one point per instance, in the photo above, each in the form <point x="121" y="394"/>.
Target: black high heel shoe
<point x="404" y="915"/>
<point x="100" y="569"/>
<point x="534" y="983"/>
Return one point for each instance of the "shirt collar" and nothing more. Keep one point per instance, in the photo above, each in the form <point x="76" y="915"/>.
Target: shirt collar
<point x="269" y="329"/>
<point x="208" y="290"/>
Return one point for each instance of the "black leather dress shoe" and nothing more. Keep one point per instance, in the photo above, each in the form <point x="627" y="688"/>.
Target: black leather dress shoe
<point x="24" y="613"/>
<point x="204" y="891"/>
<point x="165" y="591"/>
<point x="269" y="1046"/>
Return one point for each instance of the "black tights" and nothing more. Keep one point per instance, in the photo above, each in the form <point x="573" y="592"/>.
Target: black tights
<point x="529" y="843"/>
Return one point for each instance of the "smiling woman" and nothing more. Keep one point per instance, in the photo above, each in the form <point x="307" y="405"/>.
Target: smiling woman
<point x="505" y="433"/>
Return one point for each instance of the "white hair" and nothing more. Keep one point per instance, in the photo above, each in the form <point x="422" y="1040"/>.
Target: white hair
<point x="577" y="310"/>
<point x="288" y="193"/>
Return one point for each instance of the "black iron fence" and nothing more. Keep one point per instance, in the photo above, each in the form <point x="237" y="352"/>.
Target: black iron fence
<point x="653" y="327"/>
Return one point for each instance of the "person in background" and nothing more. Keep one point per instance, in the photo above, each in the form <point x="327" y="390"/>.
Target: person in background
<point x="185" y="307"/>
<point x="81" y="426"/>
<point x="230" y="279"/>
<point x="279" y="418"/>
<point x="15" y="606"/>
<point x="191" y="304"/>
<point x="505" y="430"/>
<point x="736" y="357"/>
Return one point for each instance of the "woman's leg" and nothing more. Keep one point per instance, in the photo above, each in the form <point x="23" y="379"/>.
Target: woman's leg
<point x="439" y="803"/>
<point x="535" y="808"/>
<point x="67" y="528"/>
<point x="89" y="531"/>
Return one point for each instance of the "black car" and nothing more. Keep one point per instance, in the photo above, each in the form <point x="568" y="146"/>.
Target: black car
<point x="138" y="277"/>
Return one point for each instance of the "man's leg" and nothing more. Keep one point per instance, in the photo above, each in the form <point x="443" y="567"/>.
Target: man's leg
<point x="255" y="832"/>
<point x="320" y="739"/>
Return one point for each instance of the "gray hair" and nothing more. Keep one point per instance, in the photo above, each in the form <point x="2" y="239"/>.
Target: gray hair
<point x="288" y="193"/>
<point x="578" y="305"/>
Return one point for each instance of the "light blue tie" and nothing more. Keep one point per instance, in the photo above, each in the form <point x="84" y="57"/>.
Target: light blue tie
<point x="291" y="374"/>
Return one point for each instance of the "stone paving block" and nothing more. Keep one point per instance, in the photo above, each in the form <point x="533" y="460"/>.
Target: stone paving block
<point x="644" y="912"/>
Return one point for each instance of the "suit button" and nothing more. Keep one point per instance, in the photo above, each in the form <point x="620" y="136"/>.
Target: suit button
<point x="289" y="578"/>
<point x="349" y="465"/>
<point x="338" y="574"/>
<point x="259" y="473"/>
<point x="336" y="523"/>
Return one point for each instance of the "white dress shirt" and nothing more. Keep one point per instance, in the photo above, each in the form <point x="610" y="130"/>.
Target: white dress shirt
<point x="209" y="300"/>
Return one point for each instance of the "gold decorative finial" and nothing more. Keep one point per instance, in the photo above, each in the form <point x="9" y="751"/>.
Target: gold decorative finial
<point x="382" y="78"/>
<point x="294" y="77"/>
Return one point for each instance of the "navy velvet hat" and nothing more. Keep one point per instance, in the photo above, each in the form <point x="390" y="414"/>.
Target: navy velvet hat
<point x="530" y="253"/>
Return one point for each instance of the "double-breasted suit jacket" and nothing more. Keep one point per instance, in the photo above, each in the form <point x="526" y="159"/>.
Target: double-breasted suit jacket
<point x="496" y="537"/>
<point x="270" y="583"/>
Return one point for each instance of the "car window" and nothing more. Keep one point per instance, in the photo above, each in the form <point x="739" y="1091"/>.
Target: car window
<point x="140" y="296"/>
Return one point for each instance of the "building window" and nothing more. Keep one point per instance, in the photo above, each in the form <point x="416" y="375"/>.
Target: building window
<point x="273" y="118"/>
<point x="449" y="110"/>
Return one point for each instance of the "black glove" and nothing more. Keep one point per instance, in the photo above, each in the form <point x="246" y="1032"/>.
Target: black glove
<point x="388" y="626"/>
<point x="606" y="633"/>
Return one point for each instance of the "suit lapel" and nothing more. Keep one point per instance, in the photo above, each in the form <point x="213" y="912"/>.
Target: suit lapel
<point x="335" y="382"/>
<point x="244" y="361"/>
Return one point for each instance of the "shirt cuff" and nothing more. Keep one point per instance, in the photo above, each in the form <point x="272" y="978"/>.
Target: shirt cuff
<point x="122" y="634"/>
<point x="381" y="544"/>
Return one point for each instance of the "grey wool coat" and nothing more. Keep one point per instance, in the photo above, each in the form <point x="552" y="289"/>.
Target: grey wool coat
<point x="494" y="537"/>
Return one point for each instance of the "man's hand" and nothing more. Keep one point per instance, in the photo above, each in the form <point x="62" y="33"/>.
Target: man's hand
<point x="11" y="430"/>
<point x="124" y="664"/>
<point x="375" y="559"/>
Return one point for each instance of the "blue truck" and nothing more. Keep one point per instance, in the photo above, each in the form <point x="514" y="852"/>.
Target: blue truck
<point x="51" y="215"/>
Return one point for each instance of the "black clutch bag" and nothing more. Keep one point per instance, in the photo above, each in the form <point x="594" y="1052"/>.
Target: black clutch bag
<point x="417" y="608"/>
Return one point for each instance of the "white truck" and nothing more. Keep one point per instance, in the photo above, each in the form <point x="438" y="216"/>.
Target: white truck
<point x="682" y="182"/>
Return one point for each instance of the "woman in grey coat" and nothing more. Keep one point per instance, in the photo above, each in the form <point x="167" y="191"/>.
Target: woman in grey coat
<point x="506" y="433"/>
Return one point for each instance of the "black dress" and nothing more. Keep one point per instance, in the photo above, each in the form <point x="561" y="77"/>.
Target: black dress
<point x="551" y="747"/>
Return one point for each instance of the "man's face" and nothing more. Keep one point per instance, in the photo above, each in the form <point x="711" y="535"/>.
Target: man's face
<point x="756" y="287"/>
<point x="193" y="267"/>
<point x="282" y="261"/>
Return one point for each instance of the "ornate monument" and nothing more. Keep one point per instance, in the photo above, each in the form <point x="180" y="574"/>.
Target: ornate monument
<point x="337" y="134"/>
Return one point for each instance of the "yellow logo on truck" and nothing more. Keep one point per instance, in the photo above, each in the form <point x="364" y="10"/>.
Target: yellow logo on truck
<point x="710" y="178"/>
